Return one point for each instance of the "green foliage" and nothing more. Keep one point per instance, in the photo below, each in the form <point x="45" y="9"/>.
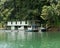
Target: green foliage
<point x="48" y="10"/>
<point x="51" y="14"/>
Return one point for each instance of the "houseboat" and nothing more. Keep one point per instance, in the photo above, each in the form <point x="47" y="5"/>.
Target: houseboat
<point x="22" y="25"/>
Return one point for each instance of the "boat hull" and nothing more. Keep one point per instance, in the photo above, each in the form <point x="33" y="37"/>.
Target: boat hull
<point x="43" y="30"/>
<point x="31" y="30"/>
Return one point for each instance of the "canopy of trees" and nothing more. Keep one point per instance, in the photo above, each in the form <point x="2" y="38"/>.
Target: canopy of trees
<point x="51" y="14"/>
<point x="45" y="10"/>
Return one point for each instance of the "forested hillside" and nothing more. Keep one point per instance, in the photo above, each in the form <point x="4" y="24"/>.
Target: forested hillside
<point x="47" y="11"/>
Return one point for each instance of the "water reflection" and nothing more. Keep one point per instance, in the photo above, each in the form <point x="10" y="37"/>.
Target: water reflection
<point x="29" y="40"/>
<point x="19" y="39"/>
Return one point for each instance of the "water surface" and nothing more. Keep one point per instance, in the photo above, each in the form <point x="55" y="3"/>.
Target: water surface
<point x="29" y="40"/>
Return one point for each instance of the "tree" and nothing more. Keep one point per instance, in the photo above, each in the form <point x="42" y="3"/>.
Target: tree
<point x="49" y="13"/>
<point x="58" y="12"/>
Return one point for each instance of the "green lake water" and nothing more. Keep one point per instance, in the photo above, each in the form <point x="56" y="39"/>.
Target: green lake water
<point x="29" y="40"/>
